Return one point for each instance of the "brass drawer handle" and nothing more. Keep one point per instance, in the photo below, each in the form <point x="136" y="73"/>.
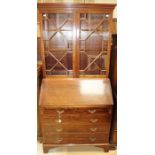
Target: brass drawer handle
<point x="58" y="121"/>
<point x="59" y="140"/>
<point x="93" y="120"/>
<point x="60" y="111"/>
<point x="92" y="139"/>
<point x="93" y="129"/>
<point x="59" y="129"/>
<point x="92" y="111"/>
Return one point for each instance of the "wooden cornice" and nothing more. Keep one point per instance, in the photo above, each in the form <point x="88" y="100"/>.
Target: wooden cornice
<point x="75" y="5"/>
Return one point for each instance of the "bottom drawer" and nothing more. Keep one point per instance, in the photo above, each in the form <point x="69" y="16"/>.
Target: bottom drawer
<point x="76" y="138"/>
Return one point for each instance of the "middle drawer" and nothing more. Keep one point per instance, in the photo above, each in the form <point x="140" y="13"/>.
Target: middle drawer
<point x="75" y="128"/>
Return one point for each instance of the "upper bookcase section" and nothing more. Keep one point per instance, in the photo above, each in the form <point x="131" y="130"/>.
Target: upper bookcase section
<point x="75" y="39"/>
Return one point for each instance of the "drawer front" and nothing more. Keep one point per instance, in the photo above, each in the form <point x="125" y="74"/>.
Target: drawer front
<point x="77" y="119"/>
<point x="78" y="111"/>
<point x="76" y="126"/>
<point x="75" y="138"/>
<point x="71" y="128"/>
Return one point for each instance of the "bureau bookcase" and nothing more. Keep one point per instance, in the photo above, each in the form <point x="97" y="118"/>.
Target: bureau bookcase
<point x="75" y="98"/>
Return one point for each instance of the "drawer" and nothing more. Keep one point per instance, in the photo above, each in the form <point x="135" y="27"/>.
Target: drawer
<point x="77" y="111"/>
<point x="77" y="119"/>
<point x="71" y="128"/>
<point x="75" y="138"/>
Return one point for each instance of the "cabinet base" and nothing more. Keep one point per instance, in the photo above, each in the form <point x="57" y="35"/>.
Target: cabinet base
<point x="105" y="146"/>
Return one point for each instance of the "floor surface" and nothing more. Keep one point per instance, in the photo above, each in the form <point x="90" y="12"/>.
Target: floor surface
<point x="75" y="150"/>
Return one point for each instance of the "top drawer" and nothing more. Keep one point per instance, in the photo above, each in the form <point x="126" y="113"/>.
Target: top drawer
<point x="78" y="111"/>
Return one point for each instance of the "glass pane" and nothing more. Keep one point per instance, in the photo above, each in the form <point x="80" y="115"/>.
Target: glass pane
<point x="57" y="36"/>
<point x="94" y="37"/>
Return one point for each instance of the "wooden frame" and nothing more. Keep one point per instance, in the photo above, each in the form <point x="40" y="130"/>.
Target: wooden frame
<point x="76" y="10"/>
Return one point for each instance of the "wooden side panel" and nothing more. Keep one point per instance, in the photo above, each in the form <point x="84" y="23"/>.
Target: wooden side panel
<point x="113" y="78"/>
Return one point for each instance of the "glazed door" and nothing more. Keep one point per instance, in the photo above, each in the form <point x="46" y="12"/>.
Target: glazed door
<point x="76" y="44"/>
<point x="94" y="40"/>
<point x="57" y="35"/>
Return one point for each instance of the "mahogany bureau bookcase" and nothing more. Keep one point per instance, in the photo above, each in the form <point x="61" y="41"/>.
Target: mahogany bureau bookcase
<point x="75" y="99"/>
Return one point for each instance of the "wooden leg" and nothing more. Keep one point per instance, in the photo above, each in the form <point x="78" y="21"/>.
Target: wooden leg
<point x="106" y="148"/>
<point x="40" y="139"/>
<point x="45" y="149"/>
